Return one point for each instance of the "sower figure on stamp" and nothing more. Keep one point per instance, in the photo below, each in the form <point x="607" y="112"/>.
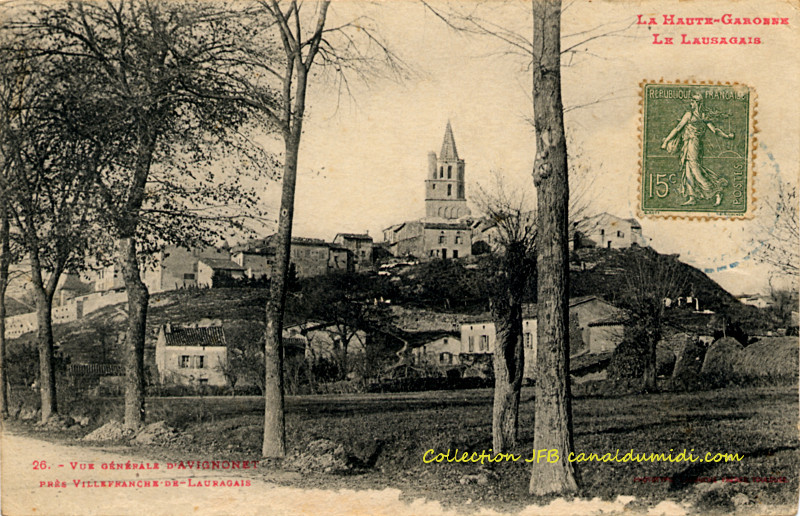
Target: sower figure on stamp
<point x="697" y="181"/>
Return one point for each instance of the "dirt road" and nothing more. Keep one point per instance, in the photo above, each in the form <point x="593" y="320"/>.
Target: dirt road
<point x="43" y="478"/>
<point x="29" y="488"/>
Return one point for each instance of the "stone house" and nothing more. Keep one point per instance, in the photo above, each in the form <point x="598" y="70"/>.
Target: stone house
<point x="174" y="267"/>
<point x="209" y="269"/>
<point x="171" y="268"/>
<point x="359" y="247"/>
<point x="192" y="355"/>
<point x="610" y="232"/>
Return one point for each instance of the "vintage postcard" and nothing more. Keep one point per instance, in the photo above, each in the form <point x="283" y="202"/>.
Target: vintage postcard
<point x="400" y="257"/>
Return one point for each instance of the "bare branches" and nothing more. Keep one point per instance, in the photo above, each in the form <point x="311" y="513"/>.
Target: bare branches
<point x="781" y="248"/>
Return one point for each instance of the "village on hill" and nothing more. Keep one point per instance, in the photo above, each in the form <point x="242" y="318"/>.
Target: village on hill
<point x="426" y="320"/>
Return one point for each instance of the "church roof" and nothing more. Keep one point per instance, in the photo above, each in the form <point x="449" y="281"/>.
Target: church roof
<point x="449" y="151"/>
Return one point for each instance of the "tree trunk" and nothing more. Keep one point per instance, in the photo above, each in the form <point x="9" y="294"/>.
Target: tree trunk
<point x="553" y="424"/>
<point x="508" y="357"/>
<point x="649" y="374"/>
<point x="44" y="322"/>
<point x="138" y="298"/>
<point x="5" y="260"/>
<point x="274" y="444"/>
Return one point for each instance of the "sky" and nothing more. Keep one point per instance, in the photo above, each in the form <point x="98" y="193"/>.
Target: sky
<point x="364" y="155"/>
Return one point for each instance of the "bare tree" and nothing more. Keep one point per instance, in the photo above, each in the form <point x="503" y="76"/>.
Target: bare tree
<point x="515" y="225"/>
<point x="5" y="261"/>
<point x="146" y="57"/>
<point x="273" y="79"/>
<point x="49" y="184"/>
<point x="652" y="282"/>
<point x="781" y="249"/>
<point x="553" y="423"/>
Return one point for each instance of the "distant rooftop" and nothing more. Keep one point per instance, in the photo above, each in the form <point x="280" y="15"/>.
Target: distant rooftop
<point x="193" y="336"/>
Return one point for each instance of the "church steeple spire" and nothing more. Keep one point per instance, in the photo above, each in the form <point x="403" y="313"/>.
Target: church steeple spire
<point x="449" y="152"/>
<point x="445" y="192"/>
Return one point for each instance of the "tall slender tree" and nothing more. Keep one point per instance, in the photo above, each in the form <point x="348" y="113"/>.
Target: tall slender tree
<point x="48" y="185"/>
<point x="278" y="87"/>
<point x="553" y="424"/>
<point x="146" y="56"/>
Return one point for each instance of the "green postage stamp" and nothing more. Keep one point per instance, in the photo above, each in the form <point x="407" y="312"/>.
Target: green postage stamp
<point x="697" y="145"/>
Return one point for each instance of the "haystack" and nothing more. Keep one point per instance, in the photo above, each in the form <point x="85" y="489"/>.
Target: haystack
<point x="721" y="359"/>
<point x="771" y="359"/>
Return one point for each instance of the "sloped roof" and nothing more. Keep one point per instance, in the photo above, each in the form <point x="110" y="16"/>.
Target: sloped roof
<point x="182" y="336"/>
<point x="222" y="264"/>
<point x="354" y="236"/>
<point x="449" y="151"/>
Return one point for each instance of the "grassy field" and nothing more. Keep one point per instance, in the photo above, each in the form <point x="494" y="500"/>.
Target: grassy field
<point x="387" y="436"/>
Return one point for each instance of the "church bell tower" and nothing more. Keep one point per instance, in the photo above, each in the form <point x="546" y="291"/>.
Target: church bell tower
<point x="445" y="193"/>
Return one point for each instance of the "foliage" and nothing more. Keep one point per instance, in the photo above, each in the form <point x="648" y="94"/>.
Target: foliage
<point x="345" y="304"/>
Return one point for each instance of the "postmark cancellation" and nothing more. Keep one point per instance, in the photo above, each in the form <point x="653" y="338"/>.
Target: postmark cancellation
<point x="697" y="146"/>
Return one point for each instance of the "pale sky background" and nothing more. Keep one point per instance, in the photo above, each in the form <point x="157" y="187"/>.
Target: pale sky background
<point x="364" y="158"/>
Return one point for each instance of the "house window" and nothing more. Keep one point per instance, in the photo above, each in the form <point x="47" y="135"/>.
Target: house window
<point x="442" y="238"/>
<point x="441" y="172"/>
<point x="445" y="358"/>
<point x="449" y="190"/>
<point x="455" y="253"/>
<point x="458" y="239"/>
<point x="528" y="340"/>
<point x="602" y="232"/>
<point x="449" y="171"/>
<point x="198" y="361"/>
<point x="433" y="186"/>
<point x="184" y="362"/>
<point x="471" y="343"/>
<point x="484" y="343"/>
<point x="431" y="252"/>
<point x="619" y="234"/>
<point x="188" y="276"/>
<point x="202" y="381"/>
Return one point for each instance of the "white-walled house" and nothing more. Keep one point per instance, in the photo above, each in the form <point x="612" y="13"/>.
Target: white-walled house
<point x="595" y="327"/>
<point x="442" y="351"/>
<point x="479" y="339"/>
<point x="611" y="232"/>
<point x="191" y="355"/>
<point x="175" y="267"/>
<point x="209" y="268"/>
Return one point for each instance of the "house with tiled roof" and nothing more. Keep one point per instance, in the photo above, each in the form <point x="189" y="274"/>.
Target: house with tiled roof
<point x="595" y="327"/>
<point x="609" y="231"/>
<point x="193" y="355"/>
<point x="209" y="269"/>
<point x="359" y="250"/>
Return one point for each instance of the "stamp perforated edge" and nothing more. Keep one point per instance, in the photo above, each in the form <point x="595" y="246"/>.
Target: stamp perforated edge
<point x="687" y="215"/>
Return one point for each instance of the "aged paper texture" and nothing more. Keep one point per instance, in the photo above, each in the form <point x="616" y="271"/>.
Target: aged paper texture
<point x="682" y="125"/>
